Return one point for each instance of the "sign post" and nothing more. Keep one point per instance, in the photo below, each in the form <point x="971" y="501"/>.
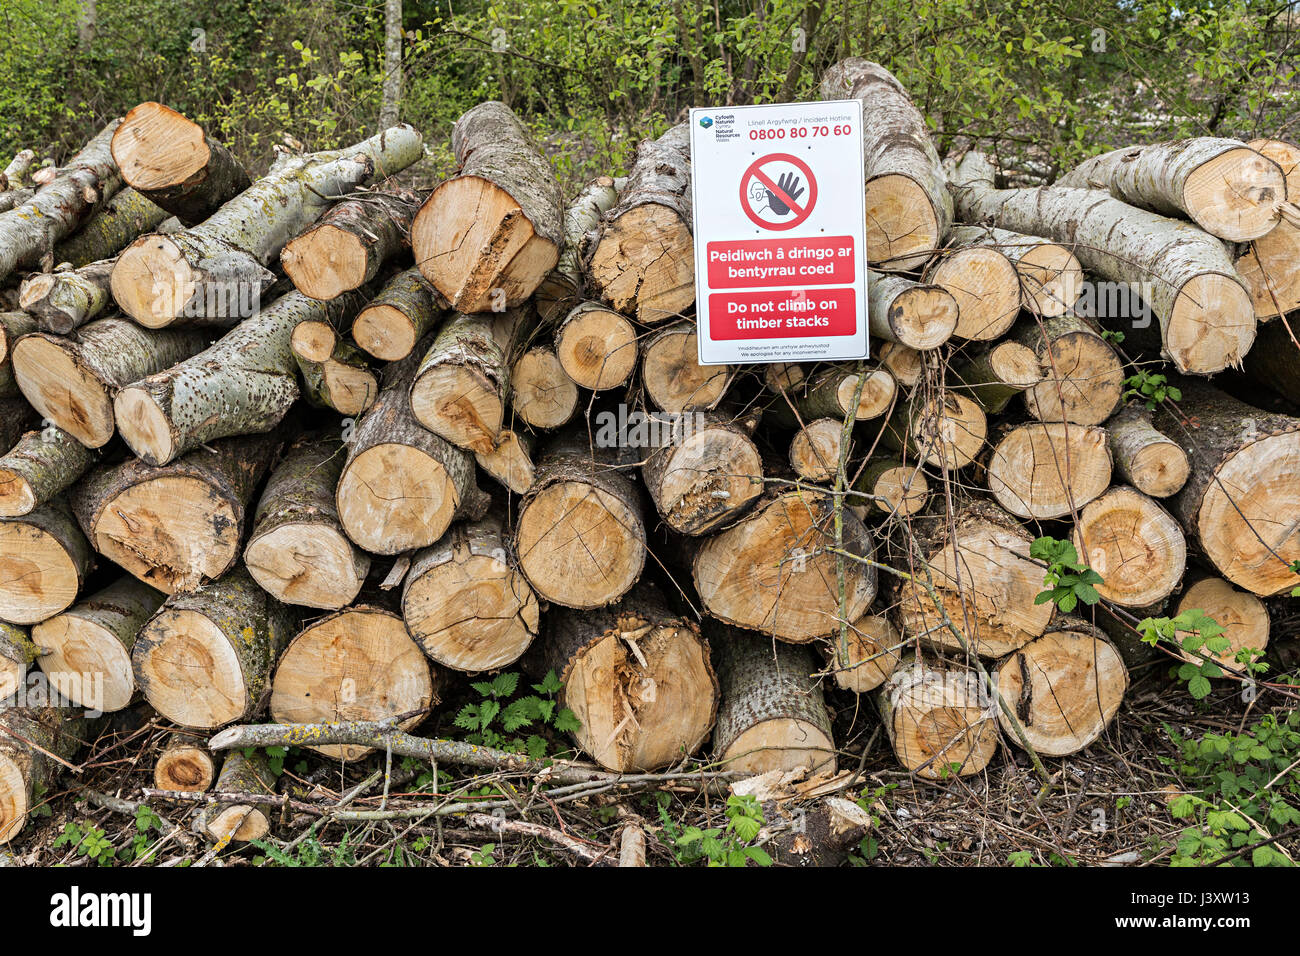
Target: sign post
<point x="780" y="232"/>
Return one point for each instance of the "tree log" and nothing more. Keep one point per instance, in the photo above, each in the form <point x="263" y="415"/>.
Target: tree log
<point x="185" y="766"/>
<point x="1147" y="459"/>
<point x="1081" y="377"/>
<point x="17" y="654"/>
<point x="15" y="174"/>
<point x="488" y="237"/>
<point x="830" y="393"/>
<point x="815" y="449"/>
<point x="1134" y="544"/>
<point x="204" y="659"/>
<point x="510" y="462"/>
<point x="466" y="602"/>
<point x="909" y="313"/>
<point x="1273" y="361"/>
<point x="345" y="248"/>
<point x="1207" y="321"/>
<point x="33" y="741"/>
<point x="63" y="301"/>
<point x="643" y="262"/>
<point x="995" y="375"/>
<point x="705" y="472"/>
<point x="297" y="551"/>
<point x="403" y="312"/>
<point x="44" y="560"/>
<point x="1051" y="278"/>
<point x="1270" y="266"/>
<point x="673" y="378"/>
<point x="986" y="285"/>
<point x="117" y="224"/>
<point x="561" y="290"/>
<point x="904" y="363"/>
<point x="39" y="468"/>
<point x="946" y="431"/>
<point x="897" y="486"/>
<point x="89" y="644"/>
<point x="908" y="206"/>
<point x="541" y="392"/>
<point x="937" y="721"/>
<point x="1243" y="617"/>
<point x="243" y="772"/>
<point x="71" y="381"/>
<point x="345" y="381"/>
<point x="871" y="651"/>
<point x="175" y="526"/>
<point x="1049" y="469"/>
<point x="596" y="346"/>
<point x="356" y="664"/>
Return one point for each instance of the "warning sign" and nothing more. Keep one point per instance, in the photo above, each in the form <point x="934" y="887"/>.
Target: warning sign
<point x="780" y="222"/>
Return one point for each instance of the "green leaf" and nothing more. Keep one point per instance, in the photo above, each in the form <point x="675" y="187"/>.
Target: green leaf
<point x="1199" y="686"/>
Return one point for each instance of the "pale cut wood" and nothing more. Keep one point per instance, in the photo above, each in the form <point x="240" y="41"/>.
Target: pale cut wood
<point x="596" y="346"/>
<point x="89" y="645"/>
<point x="38" y="468"/>
<point x="705" y="472"/>
<point x="993" y="376"/>
<point x="1065" y="688"/>
<point x="244" y="771"/>
<point x="1051" y="278"/>
<point x="541" y="393"/>
<point x="356" y="664"/>
<point x="1270" y="266"/>
<point x="1134" y="544"/>
<point x="918" y="315"/>
<point x="345" y="248"/>
<point x="781" y="377"/>
<point x="488" y="237"/>
<point x="638" y="678"/>
<point x="829" y="394"/>
<point x="1147" y="459"/>
<point x="44" y="561"/>
<point x="465" y="601"/>
<point x="403" y="312"/>
<point x="510" y="462"/>
<point x="1049" y="469"/>
<point x="184" y="765"/>
<point x="986" y="285"/>
<point x="937" y="721"/>
<point x="909" y="210"/>
<point x="204" y="659"/>
<point x="674" y="379"/>
<point x="1243" y="617"/>
<point x="1081" y="377"/>
<point x="772" y="715"/>
<point x="866" y="655"/>
<point x="815" y="449"/>
<point x="898" y="487"/>
<point x="344" y="381"/>
<point x="904" y="363"/>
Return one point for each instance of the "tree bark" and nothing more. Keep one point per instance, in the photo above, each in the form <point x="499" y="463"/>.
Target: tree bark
<point x="1273" y="361"/>
<point x="348" y="244"/>
<point x="15" y="174"/>
<point x="393" y="321"/>
<point x="914" y="314"/>
<point x="1049" y="469"/>
<point x="993" y="376"/>
<point x="175" y="526"/>
<point x="71" y="381"/>
<point x="44" y="561"/>
<point x="561" y="290"/>
<point x="908" y="206"/>
<point x="345" y="381"/>
<point x="510" y="462"/>
<point x="117" y="224"/>
<point x="1147" y="459"/>
<point x="17" y="654"/>
<point x="673" y="378"/>
<point x="1270" y="266"/>
<point x="63" y="301"/>
<point x="643" y="261"/>
<point x="297" y="551"/>
<point x="704" y="473"/>
<point x="830" y="393"/>
<point x="937" y="721"/>
<point x="32" y="742"/>
<point x="488" y="237"/>
<point x="39" y="468"/>
<point x="390" y="108"/>
<point x="1081" y="377"/>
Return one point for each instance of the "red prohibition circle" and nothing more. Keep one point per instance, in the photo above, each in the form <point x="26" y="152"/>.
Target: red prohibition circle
<point x="755" y="172"/>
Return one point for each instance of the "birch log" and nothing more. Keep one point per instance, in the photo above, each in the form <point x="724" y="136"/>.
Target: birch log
<point x="63" y="301"/>
<point x="866" y="655"/>
<point x="541" y="393"/>
<point x="1243" y="617"/>
<point x="1134" y="544"/>
<point x="116" y="224"/>
<point x="996" y="374"/>
<point x="596" y="346"/>
<point x="1270" y="266"/>
<point x="946" y="430"/>
<point x="560" y="291"/>
<point x="910" y="313"/>
<point x="403" y="312"/>
<point x="986" y="285"/>
<point x="704" y="473"/>
<point x="345" y="248"/>
<point x="1051" y="278"/>
<point x="242" y="772"/>
<point x="1147" y="459"/>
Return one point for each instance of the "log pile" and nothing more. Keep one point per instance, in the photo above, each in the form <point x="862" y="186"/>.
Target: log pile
<point x="468" y="427"/>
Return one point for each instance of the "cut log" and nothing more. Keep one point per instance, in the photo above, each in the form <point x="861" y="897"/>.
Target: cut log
<point x="34" y="741"/>
<point x="44" y="560"/>
<point x="29" y="231"/>
<point x="772" y="571"/>
<point x="1147" y="459"/>
<point x="581" y="538"/>
<point x="1065" y="688"/>
<point x="39" y="468"/>
<point x="13" y="326"/>
<point x="244" y="771"/>
<point x="345" y="248"/>
<point x="175" y="526"/>
<point x="244" y="384"/>
<point x="986" y="285"/>
<point x="1270" y="266"/>
<point x="898" y="488"/>
<point x="89" y="645"/>
<point x="1207" y="321"/>
<point x="488" y="237"/>
<point x="643" y="262"/>
<point x="772" y="715"/>
<point x="117" y="224"/>
<point x="63" y="301"/>
<point x="830" y="393"/>
<point x="297" y="551"/>
<point x="541" y="392"/>
<point x="403" y="312"/>
<point x="815" y="449"/>
<point x="984" y="579"/>
<point x="466" y="602"/>
<point x="947" y="431"/>
<point x="204" y="659"/>
<point x="402" y="485"/>
<point x="596" y="346"/>
<point x="870" y="651"/>
<point x="638" y="678"/>
<point x="939" y="721"/>
<point x="705" y="472"/>
<point x="674" y="379"/>
<point x="345" y="381"/>
<point x="908" y="206"/>
<point x="184" y="766"/>
<point x="1222" y="185"/>
<point x="463" y="382"/>
<point x="17" y="654"/>
<point x="15" y="174"/>
<point x="215" y="273"/>
<point x="356" y="664"/>
<point x="909" y="313"/>
<point x="1081" y="377"/>
<point x="1134" y="544"/>
<point x="1049" y="469"/>
<point x="172" y="162"/>
<point x="560" y="291"/>
<point x="510" y="462"/>
<point x="1051" y="278"/>
<point x="71" y="381"/>
<point x="993" y="376"/>
<point x="1241" y="500"/>
<point x="1243" y="617"/>
<point x="903" y="362"/>
<point x="781" y="377"/>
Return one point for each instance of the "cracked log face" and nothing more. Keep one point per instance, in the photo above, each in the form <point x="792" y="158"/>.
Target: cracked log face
<point x="985" y="284"/>
<point x="1243" y="617"/>
<point x="897" y="486"/>
<point x="909" y="313"/>
<point x="1235" y="194"/>
<point x="936" y="722"/>
<point x="1081" y="379"/>
<point x="358" y="664"/>
<point x="673" y="377"/>
<point x="945" y="431"/>
<point x="1134" y="544"/>
<point x="1270" y="266"/>
<point x="771" y="571"/>
<point x="63" y="390"/>
<point x="541" y="392"/>
<point x="393" y="497"/>
<point x="153" y="283"/>
<point x="815" y="449"/>
<point x="705" y="480"/>
<point x="596" y="346"/>
<point x="1065" y="688"/>
<point x="1048" y="469"/>
<point x="869" y="653"/>
<point x="644" y="264"/>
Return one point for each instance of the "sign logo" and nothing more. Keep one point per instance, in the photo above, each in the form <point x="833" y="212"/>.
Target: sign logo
<point x="772" y="191"/>
<point x="706" y="121"/>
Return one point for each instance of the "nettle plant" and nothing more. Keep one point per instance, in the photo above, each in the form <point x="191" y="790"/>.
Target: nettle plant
<point x="496" y="720"/>
<point x="1151" y="387"/>
<point x="1068" y="580"/>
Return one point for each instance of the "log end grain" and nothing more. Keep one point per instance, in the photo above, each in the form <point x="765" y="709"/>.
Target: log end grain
<point x="307" y="563"/>
<point x="395" y="497"/>
<point x="63" y="390"/>
<point x="1235" y="195"/>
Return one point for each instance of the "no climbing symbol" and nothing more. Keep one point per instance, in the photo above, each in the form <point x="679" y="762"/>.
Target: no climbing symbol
<point x="778" y="191"/>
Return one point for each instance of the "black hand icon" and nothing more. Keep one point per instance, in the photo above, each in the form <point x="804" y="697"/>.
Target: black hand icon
<point x="789" y="184"/>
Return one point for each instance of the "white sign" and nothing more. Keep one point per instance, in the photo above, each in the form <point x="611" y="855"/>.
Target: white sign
<point x="780" y="232"/>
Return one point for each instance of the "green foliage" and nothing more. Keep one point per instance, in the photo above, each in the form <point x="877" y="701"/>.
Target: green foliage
<point x="1199" y="635"/>
<point x="310" y="852"/>
<point x="1112" y="336"/>
<point x="493" y="720"/>
<point x="89" y="841"/>
<point x="484" y="855"/>
<point x="1068" y="580"/>
<point x="1152" y="387"/>
<point x="1294" y="566"/>
<point x="720" y="846"/>
<point x="1242" y="791"/>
